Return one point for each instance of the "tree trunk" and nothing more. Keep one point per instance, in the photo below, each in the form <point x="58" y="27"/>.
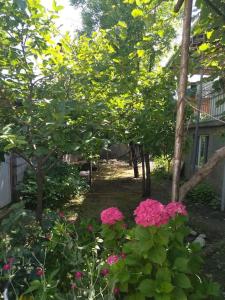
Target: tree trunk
<point x="148" y="175"/>
<point x="202" y="173"/>
<point x="40" y="192"/>
<point x="134" y="159"/>
<point x="143" y="169"/>
<point x="90" y="173"/>
<point x="181" y="97"/>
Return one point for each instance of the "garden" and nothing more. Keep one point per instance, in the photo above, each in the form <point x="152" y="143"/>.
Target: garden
<point x="82" y="225"/>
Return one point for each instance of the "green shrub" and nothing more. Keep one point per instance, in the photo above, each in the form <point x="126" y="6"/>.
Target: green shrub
<point x="204" y="193"/>
<point x="161" y="168"/>
<point x="59" y="261"/>
<point x="155" y="261"/>
<point x="61" y="184"/>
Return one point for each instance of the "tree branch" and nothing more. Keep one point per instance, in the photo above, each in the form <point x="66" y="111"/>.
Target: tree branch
<point x="177" y="7"/>
<point x="201" y="173"/>
<point x="25" y="158"/>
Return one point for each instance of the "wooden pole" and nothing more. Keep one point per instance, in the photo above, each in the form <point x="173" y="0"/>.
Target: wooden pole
<point x="181" y="98"/>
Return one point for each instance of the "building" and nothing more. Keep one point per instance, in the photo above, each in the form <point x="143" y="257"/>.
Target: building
<point x="206" y="132"/>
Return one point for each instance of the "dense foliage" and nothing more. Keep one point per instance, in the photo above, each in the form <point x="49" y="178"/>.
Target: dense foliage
<point x="68" y="259"/>
<point x="62" y="183"/>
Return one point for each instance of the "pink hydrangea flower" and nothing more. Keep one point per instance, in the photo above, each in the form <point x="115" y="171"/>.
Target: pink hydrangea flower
<point x="104" y="272"/>
<point x="150" y="213"/>
<point x="111" y="215"/>
<point x="113" y="259"/>
<point x="174" y="208"/>
<point x="39" y="271"/>
<point x="79" y="275"/>
<point x="6" y="267"/>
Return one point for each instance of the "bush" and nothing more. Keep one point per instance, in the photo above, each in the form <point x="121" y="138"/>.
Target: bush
<point x="59" y="261"/>
<point x="67" y="260"/>
<point x="61" y="184"/>
<point x="205" y="194"/>
<point x="161" y="168"/>
<point x="153" y="260"/>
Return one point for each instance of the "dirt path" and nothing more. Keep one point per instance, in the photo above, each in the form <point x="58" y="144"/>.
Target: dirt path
<point x="114" y="185"/>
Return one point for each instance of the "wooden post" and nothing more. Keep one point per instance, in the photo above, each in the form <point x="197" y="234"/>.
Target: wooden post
<point x="181" y="98"/>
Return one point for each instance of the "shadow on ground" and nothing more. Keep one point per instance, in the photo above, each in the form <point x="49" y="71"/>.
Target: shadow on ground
<point x="114" y="185"/>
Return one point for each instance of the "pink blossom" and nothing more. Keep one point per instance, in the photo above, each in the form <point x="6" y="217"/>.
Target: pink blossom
<point x="104" y="272"/>
<point x="174" y="208"/>
<point x="150" y="213"/>
<point x="39" y="271"/>
<point x="111" y="215"/>
<point x="79" y="275"/>
<point x="90" y="228"/>
<point x="116" y="291"/>
<point x="6" y="267"/>
<point x="73" y="286"/>
<point x="113" y="259"/>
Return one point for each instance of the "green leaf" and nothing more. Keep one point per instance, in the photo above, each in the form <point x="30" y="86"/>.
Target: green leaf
<point x="166" y="287"/>
<point x="136" y="296"/>
<point x="147" y="269"/>
<point x="179" y="294"/>
<point x="163" y="274"/>
<point x="204" y="46"/>
<point x="181" y="264"/>
<point x="182" y="281"/>
<point x="122" y="24"/>
<point x="137" y="12"/>
<point x="34" y="286"/>
<point x="158" y="255"/>
<point x="213" y="289"/>
<point x="147" y="287"/>
<point x="142" y="233"/>
<point x="140" y="53"/>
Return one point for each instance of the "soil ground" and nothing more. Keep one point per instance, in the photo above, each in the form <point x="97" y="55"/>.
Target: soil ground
<point x="114" y="185"/>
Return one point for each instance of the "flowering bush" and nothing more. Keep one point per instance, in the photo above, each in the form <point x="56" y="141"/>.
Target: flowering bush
<point x="158" y="263"/>
<point x="62" y="260"/>
<point x="68" y="260"/>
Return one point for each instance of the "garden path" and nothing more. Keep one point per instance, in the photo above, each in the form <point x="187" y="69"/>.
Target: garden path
<point x="114" y="185"/>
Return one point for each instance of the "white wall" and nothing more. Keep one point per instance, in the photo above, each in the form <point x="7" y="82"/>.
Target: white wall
<point x="5" y="184"/>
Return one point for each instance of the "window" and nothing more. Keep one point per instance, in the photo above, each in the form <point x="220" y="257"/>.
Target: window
<point x="203" y="143"/>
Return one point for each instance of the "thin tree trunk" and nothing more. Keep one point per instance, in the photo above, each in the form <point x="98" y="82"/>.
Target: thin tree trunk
<point x="40" y="192"/>
<point x="134" y="159"/>
<point x="148" y="175"/>
<point x="143" y="169"/>
<point x="181" y="98"/>
<point x="90" y="173"/>
<point x="202" y="173"/>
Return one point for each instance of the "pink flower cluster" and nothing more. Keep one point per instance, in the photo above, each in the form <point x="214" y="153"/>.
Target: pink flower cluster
<point x="174" y="208"/>
<point x="113" y="259"/>
<point x="152" y="213"/>
<point x="111" y="215"/>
